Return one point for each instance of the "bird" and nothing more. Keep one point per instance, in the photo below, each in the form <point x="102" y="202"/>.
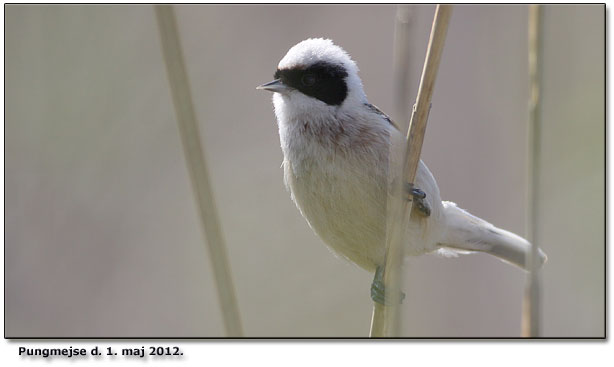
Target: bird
<point x="336" y="146"/>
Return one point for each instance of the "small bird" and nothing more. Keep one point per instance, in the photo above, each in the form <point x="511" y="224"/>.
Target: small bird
<point x="336" y="146"/>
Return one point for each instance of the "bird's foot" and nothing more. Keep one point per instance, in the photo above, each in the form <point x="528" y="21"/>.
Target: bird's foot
<point x="378" y="291"/>
<point x="418" y="198"/>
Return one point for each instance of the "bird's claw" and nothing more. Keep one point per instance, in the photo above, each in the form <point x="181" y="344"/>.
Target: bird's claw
<point x="419" y="197"/>
<point x="378" y="291"/>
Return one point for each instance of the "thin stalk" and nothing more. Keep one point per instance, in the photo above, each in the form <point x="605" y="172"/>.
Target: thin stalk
<point x="385" y="321"/>
<point x="402" y="93"/>
<point x="531" y="304"/>
<point x="401" y="68"/>
<point x="197" y="167"/>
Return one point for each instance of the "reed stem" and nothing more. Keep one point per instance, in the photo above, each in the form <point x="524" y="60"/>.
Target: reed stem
<point x="531" y="301"/>
<point x="197" y="167"/>
<point x="385" y="320"/>
<point x="401" y="68"/>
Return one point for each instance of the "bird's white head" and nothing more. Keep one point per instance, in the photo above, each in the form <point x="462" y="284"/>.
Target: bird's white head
<point x="316" y="78"/>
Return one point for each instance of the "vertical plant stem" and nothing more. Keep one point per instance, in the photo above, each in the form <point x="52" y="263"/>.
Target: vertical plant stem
<point x="531" y="304"/>
<point x="399" y="212"/>
<point x="401" y="68"/>
<point x="402" y="94"/>
<point x="196" y="164"/>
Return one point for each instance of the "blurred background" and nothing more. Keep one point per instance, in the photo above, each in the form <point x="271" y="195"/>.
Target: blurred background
<point x="102" y="234"/>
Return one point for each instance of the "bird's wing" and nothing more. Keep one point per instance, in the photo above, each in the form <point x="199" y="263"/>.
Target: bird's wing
<point x="379" y="112"/>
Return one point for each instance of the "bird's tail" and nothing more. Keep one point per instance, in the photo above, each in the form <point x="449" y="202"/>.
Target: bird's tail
<point x="469" y="233"/>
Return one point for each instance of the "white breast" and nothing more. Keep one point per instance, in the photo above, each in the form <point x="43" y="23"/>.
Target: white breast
<point x="337" y="174"/>
<point x="342" y="200"/>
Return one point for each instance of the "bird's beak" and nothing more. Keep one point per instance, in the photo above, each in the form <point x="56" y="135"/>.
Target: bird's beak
<point x="275" y="86"/>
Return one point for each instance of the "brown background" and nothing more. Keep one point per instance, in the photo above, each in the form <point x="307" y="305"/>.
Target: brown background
<point x="102" y="237"/>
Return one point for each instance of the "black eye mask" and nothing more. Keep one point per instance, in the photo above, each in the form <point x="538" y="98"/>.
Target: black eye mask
<point x="322" y="80"/>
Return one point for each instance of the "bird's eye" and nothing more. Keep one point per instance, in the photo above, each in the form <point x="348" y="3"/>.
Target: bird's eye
<point x="308" y="80"/>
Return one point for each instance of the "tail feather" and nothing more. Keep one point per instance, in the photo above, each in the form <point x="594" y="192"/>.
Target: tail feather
<point x="470" y="233"/>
